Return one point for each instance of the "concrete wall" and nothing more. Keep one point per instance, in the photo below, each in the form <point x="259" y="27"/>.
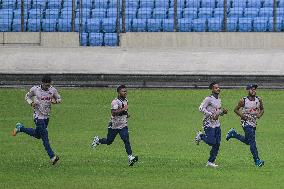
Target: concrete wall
<point x="44" y="39"/>
<point x="203" y="40"/>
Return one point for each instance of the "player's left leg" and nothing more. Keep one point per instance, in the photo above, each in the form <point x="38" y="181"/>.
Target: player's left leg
<point x="124" y="135"/>
<point x="29" y="131"/>
<point x="215" y="148"/>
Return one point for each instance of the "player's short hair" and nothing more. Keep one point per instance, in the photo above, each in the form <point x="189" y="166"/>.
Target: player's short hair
<point x="46" y="79"/>
<point x="212" y="84"/>
<point x="120" y="87"/>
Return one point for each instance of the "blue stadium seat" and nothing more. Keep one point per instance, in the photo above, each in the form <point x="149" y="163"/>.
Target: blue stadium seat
<point x="9" y="4"/>
<point x="147" y="4"/>
<point x="190" y="13"/>
<point x="251" y="12"/>
<point x="278" y="24"/>
<point x="260" y="24"/>
<point x="266" y="12"/>
<point x="219" y="12"/>
<point x="17" y="25"/>
<point x="128" y="25"/>
<point x="144" y="13"/>
<point x="65" y="25"/>
<point x="110" y="39"/>
<point x="113" y="4"/>
<point x="27" y="4"/>
<point x="100" y="4"/>
<point x="18" y="13"/>
<point x="86" y="13"/>
<point x="205" y="13"/>
<point x="199" y="25"/>
<point x="280" y="12"/>
<point x="109" y="25"/>
<point x="49" y="25"/>
<point x="88" y="4"/>
<point x="220" y="3"/>
<point x="130" y="13"/>
<point x="6" y="14"/>
<point x="139" y="25"/>
<point x="94" y="25"/>
<point x="39" y="4"/>
<point x="84" y="39"/>
<point x="239" y="3"/>
<point x="180" y="3"/>
<point x="34" y="25"/>
<point x="132" y="4"/>
<point x="245" y="24"/>
<point x="99" y="13"/>
<point x="68" y="4"/>
<point x="66" y="13"/>
<point x="215" y="24"/>
<point x="160" y="13"/>
<point x="281" y="3"/>
<point x="254" y="3"/>
<point x="236" y="12"/>
<point x="154" y="25"/>
<point x="184" y="25"/>
<point x="51" y="13"/>
<point x="208" y="3"/>
<point x="96" y="39"/>
<point x="112" y="13"/>
<point x="162" y="4"/>
<point x="168" y="25"/>
<point x="81" y="27"/>
<point x="54" y="4"/>
<point x="171" y="13"/>
<point x="5" y="25"/>
<point x="232" y="24"/>
<point x="268" y="3"/>
<point x="35" y="14"/>
<point x="192" y="4"/>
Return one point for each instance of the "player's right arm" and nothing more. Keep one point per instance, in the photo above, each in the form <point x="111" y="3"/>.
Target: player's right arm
<point x="238" y="111"/>
<point x="29" y="97"/>
<point x="203" y="107"/>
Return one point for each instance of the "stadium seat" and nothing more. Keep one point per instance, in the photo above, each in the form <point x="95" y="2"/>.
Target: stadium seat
<point x="236" y="12"/>
<point x="17" y="25"/>
<point x="93" y="25"/>
<point x="27" y="4"/>
<point x="54" y="4"/>
<point x="65" y="25"/>
<point x="96" y="39"/>
<point x="168" y="25"/>
<point x="86" y="13"/>
<point x="51" y="13"/>
<point x="6" y="14"/>
<point x="232" y="24"/>
<point x="5" y="25"/>
<point x="84" y="39"/>
<point x="260" y="24"/>
<point x="162" y="4"/>
<point x="147" y="4"/>
<point x="160" y="13"/>
<point x="154" y="25"/>
<point x="109" y="25"/>
<point x="35" y="14"/>
<point x="199" y="25"/>
<point x="280" y="12"/>
<point x="190" y="13"/>
<point x="245" y="24"/>
<point x="128" y="25"/>
<point x="220" y="4"/>
<point x="130" y="13"/>
<point x="112" y="13"/>
<point x="205" y="13"/>
<point x="215" y="24"/>
<point x="171" y="13"/>
<point x="184" y="25"/>
<point x="192" y="4"/>
<point x="180" y="3"/>
<point x="208" y="3"/>
<point x="219" y="12"/>
<point x="99" y="13"/>
<point x="132" y="4"/>
<point x="239" y="3"/>
<point x="49" y="25"/>
<point x="266" y="12"/>
<point x="251" y="12"/>
<point x="144" y="13"/>
<point x="39" y="4"/>
<point x="254" y="3"/>
<point x="139" y="25"/>
<point x="281" y="3"/>
<point x="18" y="14"/>
<point x="80" y="27"/>
<point x="9" y="4"/>
<point x="66" y="13"/>
<point x="278" y="24"/>
<point x="110" y="39"/>
<point x="113" y="4"/>
<point x="34" y="25"/>
<point x="88" y="4"/>
<point x="68" y="4"/>
<point x="268" y="3"/>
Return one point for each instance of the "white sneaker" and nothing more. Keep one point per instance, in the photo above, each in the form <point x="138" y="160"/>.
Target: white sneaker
<point x="132" y="160"/>
<point x="209" y="164"/>
<point x="198" y="137"/>
<point x="95" y="142"/>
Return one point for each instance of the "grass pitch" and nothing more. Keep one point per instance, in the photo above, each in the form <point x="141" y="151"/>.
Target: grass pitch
<point x="162" y="127"/>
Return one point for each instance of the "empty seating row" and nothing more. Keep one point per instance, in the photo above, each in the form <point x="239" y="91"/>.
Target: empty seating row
<point x="98" y="39"/>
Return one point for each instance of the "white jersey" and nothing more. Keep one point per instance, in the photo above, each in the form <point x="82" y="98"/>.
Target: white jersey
<point x="251" y="109"/>
<point x="42" y="100"/>
<point x="119" y="121"/>
<point x="211" y="106"/>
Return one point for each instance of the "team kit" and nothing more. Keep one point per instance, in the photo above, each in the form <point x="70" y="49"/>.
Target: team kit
<point x="249" y="109"/>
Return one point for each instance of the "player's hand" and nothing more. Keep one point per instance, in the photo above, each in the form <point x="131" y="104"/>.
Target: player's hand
<point x="215" y="117"/>
<point x="33" y="104"/>
<point x="244" y="117"/>
<point x="225" y="111"/>
<point x="53" y="101"/>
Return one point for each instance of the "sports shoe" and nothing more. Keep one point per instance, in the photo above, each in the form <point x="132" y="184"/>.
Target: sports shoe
<point x="198" y="137"/>
<point x="95" y="142"/>
<point x="259" y="162"/>
<point x="231" y="134"/>
<point x="54" y="160"/>
<point x="132" y="160"/>
<point x="17" y="129"/>
<point x="210" y="164"/>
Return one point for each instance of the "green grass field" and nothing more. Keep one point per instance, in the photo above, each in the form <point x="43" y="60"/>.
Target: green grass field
<point x="162" y="127"/>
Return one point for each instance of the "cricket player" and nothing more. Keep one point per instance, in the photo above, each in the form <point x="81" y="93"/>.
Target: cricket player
<point x="249" y="109"/>
<point x="40" y="98"/>
<point x="212" y="110"/>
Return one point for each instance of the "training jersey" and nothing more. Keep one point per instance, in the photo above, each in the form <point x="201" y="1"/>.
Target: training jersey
<point x="251" y="109"/>
<point x="42" y="100"/>
<point x="209" y="107"/>
<point x="119" y="121"/>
